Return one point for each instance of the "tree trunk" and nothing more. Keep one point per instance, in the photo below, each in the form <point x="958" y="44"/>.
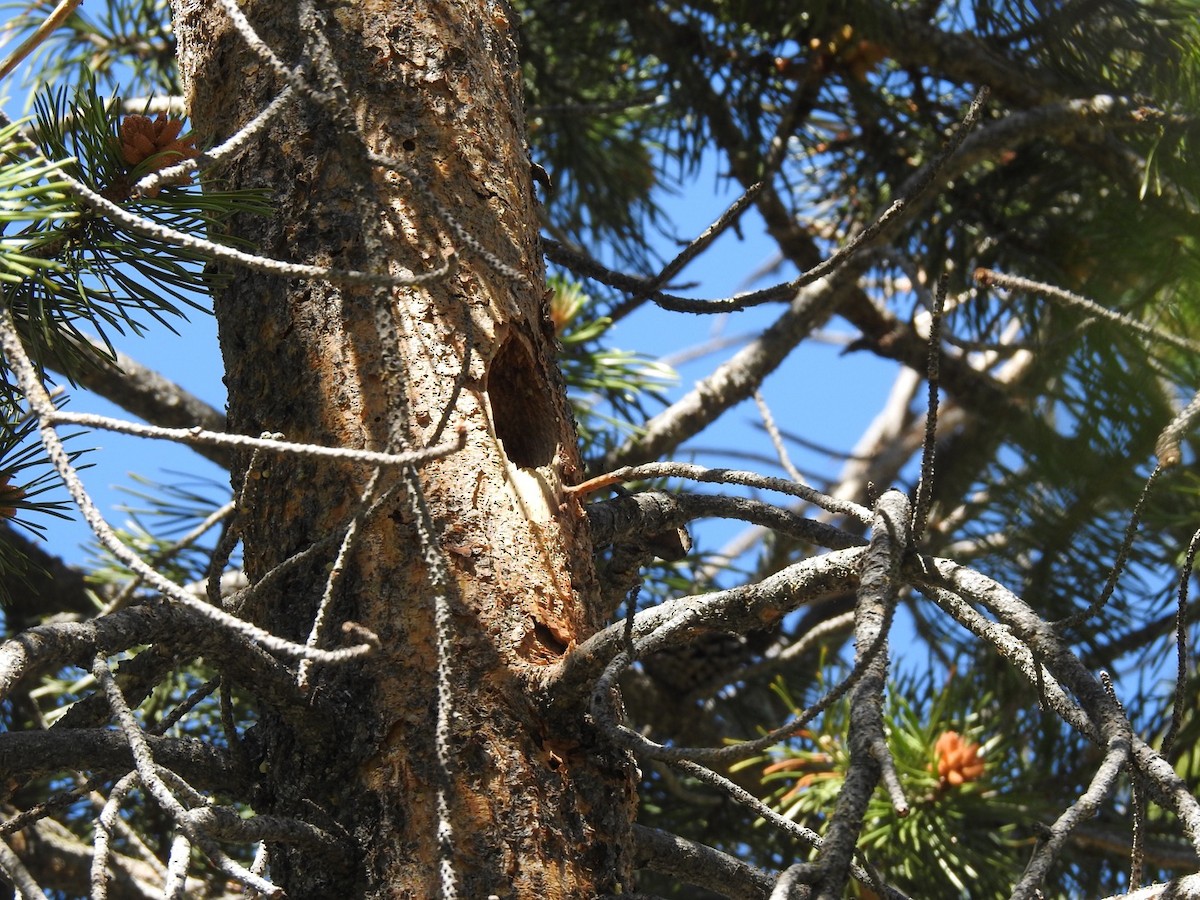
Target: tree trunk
<point x="536" y="805"/>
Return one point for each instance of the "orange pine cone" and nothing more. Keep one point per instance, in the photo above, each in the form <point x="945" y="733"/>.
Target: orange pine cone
<point x="958" y="761"/>
<point x="156" y="140"/>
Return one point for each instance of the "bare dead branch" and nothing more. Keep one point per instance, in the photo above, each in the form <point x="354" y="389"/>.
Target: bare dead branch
<point x="251" y="261"/>
<point x="696" y="864"/>
<point x="1096" y="716"/>
<point x="104" y="751"/>
<point x="736" y="379"/>
<point x="694" y="248"/>
<point x="877" y="592"/>
<point x="317" y="633"/>
<point x="1118" y="565"/>
<point x="724" y="476"/>
<point x="989" y="277"/>
<point x="105" y="825"/>
<point x="1181" y="658"/>
<point x="71" y="643"/>
<point x="581" y="264"/>
<point x="807" y="836"/>
<point x="215" y="155"/>
<point x="776" y="438"/>
<point x="178" y="861"/>
<point x="1102" y="784"/>
<point x="648" y="513"/>
<point x="224" y="823"/>
<point x="143" y="759"/>
<point x="11" y="865"/>
<point x="199" y="436"/>
<point x="151" y="397"/>
<point x="221" y="514"/>
<point x="741" y="609"/>
<point x="929" y="446"/>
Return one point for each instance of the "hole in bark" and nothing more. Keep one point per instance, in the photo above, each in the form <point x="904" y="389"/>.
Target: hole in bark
<point x="521" y="411"/>
<point x="546" y="638"/>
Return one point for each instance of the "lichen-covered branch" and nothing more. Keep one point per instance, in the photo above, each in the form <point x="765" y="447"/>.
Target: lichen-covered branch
<point x="696" y="864"/>
<point x="877" y="591"/>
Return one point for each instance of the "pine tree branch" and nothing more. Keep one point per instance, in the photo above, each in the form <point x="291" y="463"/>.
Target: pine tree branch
<point x="731" y="384"/>
<point x="102" y="750"/>
<point x="813" y="302"/>
<point x="253" y="262"/>
<point x="167" y="625"/>
<point x="48" y="586"/>
<point x="152" y="398"/>
<point x="963" y="58"/>
<point x="643" y="516"/>
<point x="737" y="379"/>
<point x="695" y="864"/>
<point x="153" y="774"/>
<point x="227" y="824"/>
<point x="667" y="639"/>
<point x="63" y="863"/>
<point x="1029" y="641"/>
<point x="877" y="592"/>
<point x="46" y="647"/>
<point x="739" y="610"/>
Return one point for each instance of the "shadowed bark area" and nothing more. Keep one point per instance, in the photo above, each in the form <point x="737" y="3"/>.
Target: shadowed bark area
<point x="538" y="808"/>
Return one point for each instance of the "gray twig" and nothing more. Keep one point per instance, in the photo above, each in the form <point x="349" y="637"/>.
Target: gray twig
<point x="697" y="864"/>
<point x="106" y="824"/>
<point x="27" y="887"/>
<point x="153" y="782"/>
<point x="1179" y="700"/>
<point x="929" y="446"/>
<point x="877" y="593"/>
<point x="1102" y="784"/>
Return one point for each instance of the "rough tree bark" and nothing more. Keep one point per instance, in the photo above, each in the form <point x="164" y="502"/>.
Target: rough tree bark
<point x="537" y="806"/>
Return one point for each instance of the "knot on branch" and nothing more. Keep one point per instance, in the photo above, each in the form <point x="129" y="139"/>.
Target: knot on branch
<point x="635" y="529"/>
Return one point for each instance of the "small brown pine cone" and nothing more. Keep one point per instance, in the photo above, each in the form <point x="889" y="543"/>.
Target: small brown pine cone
<point x="156" y="142"/>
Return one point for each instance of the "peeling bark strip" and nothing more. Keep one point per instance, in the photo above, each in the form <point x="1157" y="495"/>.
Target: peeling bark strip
<point x="536" y="807"/>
